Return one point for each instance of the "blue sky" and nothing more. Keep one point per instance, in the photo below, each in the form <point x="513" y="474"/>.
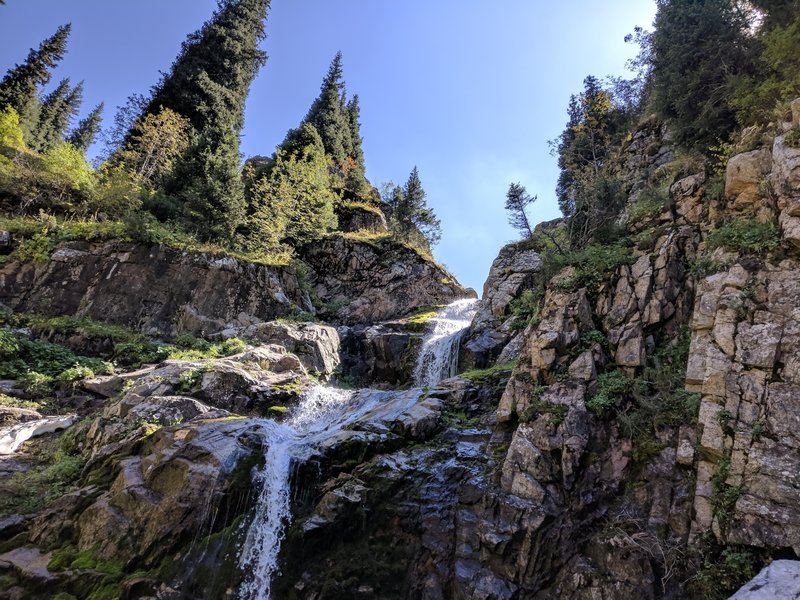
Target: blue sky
<point x="469" y="92"/>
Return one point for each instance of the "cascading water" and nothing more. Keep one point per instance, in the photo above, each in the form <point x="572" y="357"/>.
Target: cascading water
<point x="322" y="413"/>
<point x="438" y="357"/>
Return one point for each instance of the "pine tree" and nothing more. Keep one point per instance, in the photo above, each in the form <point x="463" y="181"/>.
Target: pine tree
<point x="329" y="115"/>
<point x="517" y="199"/>
<point x="57" y="109"/>
<point x="412" y="220"/>
<point x="84" y="135"/>
<point x="208" y="84"/>
<point x="19" y="87"/>
<point x="697" y="47"/>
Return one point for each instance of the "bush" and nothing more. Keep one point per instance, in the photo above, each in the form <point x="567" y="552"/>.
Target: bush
<point x="610" y="387"/>
<point x="746" y="236"/>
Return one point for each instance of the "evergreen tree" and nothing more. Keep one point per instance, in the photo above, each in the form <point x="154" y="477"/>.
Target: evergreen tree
<point x="589" y="194"/>
<point x="697" y="46"/>
<point x="19" y="87"/>
<point x="354" y="114"/>
<point x="208" y="84"/>
<point x="329" y="116"/>
<point x="57" y="109"/>
<point x="412" y="220"/>
<point x="517" y="199"/>
<point x="84" y="135"/>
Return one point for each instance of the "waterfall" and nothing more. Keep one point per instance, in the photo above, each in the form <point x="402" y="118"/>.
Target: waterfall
<point x="322" y="413"/>
<point x="438" y="357"/>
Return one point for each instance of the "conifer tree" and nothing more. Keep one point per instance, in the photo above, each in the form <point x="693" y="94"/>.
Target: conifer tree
<point x="208" y="84"/>
<point x="19" y="87"/>
<point x="413" y="221"/>
<point x="517" y="199"/>
<point x="354" y="114"/>
<point x="57" y="109"/>
<point x="328" y="114"/>
<point x="84" y="135"/>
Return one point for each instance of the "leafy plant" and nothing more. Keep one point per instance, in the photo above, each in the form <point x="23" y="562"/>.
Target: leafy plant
<point x="746" y="236"/>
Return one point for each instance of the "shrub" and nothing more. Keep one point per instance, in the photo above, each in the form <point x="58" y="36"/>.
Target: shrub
<point x="746" y="236"/>
<point x="610" y="387"/>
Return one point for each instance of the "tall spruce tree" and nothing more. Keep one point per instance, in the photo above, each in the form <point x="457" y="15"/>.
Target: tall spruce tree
<point x="57" y="110"/>
<point x="697" y="47"/>
<point x="19" y="87"/>
<point x="328" y="114"/>
<point x="85" y="133"/>
<point x="208" y="84"/>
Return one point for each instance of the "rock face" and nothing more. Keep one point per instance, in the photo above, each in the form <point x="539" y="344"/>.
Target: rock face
<point x="355" y="217"/>
<point x="512" y="271"/>
<point x="744" y="349"/>
<point x="164" y="290"/>
<point x="373" y="282"/>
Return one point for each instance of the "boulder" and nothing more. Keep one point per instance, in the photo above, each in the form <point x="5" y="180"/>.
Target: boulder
<point x="744" y="174"/>
<point x="317" y="346"/>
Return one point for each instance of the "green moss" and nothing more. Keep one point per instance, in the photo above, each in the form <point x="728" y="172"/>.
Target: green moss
<point x="543" y="407"/>
<point x="419" y="320"/>
<point x="610" y="387"/>
<point x="484" y="375"/>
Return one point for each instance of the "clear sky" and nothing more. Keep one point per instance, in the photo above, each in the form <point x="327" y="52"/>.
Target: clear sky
<point x="469" y="92"/>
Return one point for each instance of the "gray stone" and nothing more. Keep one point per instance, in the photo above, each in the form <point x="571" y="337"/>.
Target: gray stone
<point x="779" y="580"/>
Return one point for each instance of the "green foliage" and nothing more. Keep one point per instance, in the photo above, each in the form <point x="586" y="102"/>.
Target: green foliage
<point x="659" y="399"/>
<point x="746" y="236"/>
<point x="11" y="139"/>
<point x="54" y="474"/>
<point x="39" y="364"/>
<point x="155" y="142"/>
<point x="594" y="265"/>
<point x="87" y="129"/>
<point x="589" y="194"/>
<point x="542" y="407"/>
<point x="487" y="375"/>
<point x="55" y="113"/>
<point x="610" y="388"/>
<point x="776" y="79"/>
<point x="18" y="89"/>
<point x="696" y="48"/>
<point x="410" y="218"/>
<point x="525" y="309"/>
<point x="294" y="203"/>
<point x="706" y="265"/>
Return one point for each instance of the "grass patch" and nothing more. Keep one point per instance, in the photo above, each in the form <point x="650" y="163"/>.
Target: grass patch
<point x="594" y="265"/>
<point x="479" y="376"/>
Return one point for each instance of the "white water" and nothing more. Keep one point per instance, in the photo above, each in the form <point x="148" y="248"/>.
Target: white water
<point x="12" y="437"/>
<point x="321" y="413"/>
<point x="438" y="357"/>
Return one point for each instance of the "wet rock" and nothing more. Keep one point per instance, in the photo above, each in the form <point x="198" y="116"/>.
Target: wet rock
<point x="379" y="354"/>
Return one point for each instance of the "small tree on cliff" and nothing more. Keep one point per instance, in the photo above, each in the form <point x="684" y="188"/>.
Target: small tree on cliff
<point x="412" y="220"/>
<point x="517" y="199"/>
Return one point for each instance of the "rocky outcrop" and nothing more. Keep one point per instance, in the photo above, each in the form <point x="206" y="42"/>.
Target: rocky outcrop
<point x="513" y="271"/>
<point x="744" y="349"/>
<point x="153" y="288"/>
<point x="357" y="217"/>
<point x="378" y="355"/>
<point x="369" y="282"/>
